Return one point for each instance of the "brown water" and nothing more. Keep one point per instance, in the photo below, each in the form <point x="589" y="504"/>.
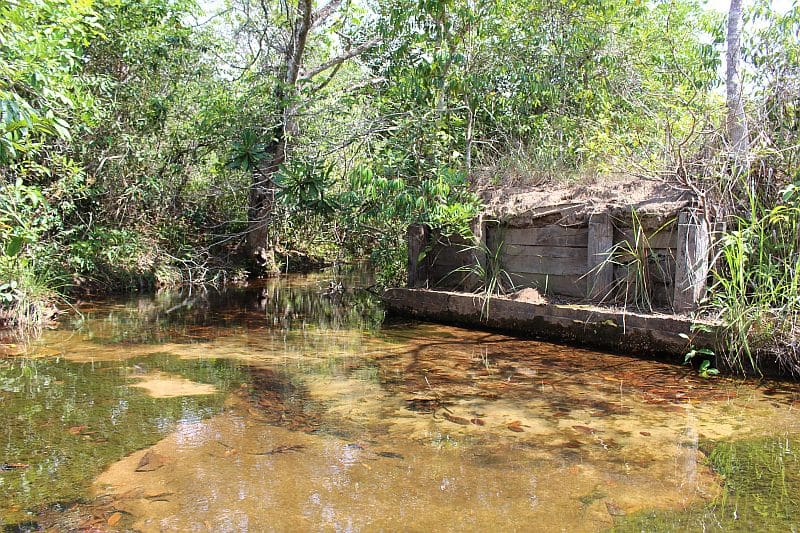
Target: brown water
<point x="280" y="408"/>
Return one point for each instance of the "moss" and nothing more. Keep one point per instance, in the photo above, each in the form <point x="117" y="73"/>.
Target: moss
<point x="761" y="491"/>
<point x="69" y="421"/>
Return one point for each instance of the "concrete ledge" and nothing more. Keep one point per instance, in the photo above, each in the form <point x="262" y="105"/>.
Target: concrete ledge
<point x="643" y="335"/>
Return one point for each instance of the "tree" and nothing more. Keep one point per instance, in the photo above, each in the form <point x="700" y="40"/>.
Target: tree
<point x="736" y="121"/>
<point x="292" y="35"/>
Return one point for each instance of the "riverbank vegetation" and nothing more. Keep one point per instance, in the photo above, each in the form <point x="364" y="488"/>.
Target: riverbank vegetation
<point x="156" y="143"/>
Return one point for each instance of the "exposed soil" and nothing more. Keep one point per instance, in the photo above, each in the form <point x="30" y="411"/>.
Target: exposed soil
<point x="528" y="295"/>
<point x="574" y="202"/>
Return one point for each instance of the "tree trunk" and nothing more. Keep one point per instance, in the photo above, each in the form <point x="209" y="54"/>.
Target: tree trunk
<point x="736" y="123"/>
<point x="260" y="243"/>
<point x="468" y="137"/>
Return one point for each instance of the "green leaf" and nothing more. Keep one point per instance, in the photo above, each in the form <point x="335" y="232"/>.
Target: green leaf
<point x="14" y="246"/>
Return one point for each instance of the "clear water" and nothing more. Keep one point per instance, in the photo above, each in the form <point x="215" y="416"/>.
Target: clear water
<point x="280" y="408"/>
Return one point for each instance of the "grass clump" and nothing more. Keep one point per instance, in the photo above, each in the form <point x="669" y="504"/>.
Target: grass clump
<point x="756" y="287"/>
<point x="485" y="272"/>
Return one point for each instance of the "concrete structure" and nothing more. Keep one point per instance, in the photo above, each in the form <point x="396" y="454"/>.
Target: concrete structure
<point x="604" y="267"/>
<point x="644" y="335"/>
<point x="649" y="261"/>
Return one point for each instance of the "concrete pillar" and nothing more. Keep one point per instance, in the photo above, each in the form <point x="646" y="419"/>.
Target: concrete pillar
<point x="691" y="263"/>
<point x="418" y="235"/>
<point x="600" y="270"/>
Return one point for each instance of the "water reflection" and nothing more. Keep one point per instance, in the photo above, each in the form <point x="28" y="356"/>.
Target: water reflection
<point x="289" y="406"/>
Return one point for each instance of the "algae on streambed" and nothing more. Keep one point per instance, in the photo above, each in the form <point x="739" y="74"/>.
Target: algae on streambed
<point x="761" y="491"/>
<point x="62" y="423"/>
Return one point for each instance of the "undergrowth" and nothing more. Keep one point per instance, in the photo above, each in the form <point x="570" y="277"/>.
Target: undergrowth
<point x="640" y="267"/>
<point x="485" y="272"/>
<point x="755" y="291"/>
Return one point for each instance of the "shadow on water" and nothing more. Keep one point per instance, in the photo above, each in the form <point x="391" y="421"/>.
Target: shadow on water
<point x="294" y="402"/>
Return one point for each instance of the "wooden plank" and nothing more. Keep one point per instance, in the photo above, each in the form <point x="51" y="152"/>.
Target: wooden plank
<point x="662" y="294"/>
<point x="448" y="278"/>
<point x="600" y="243"/>
<point x="455" y="240"/>
<point x="552" y="235"/>
<point x="452" y="260"/>
<point x="479" y="255"/>
<point x="666" y="238"/>
<point x="659" y="285"/>
<point x="662" y="266"/>
<point x="691" y="268"/>
<point x="451" y="256"/>
<point x="556" y="252"/>
<point x="481" y="231"/>
<point x="531" y="264"/>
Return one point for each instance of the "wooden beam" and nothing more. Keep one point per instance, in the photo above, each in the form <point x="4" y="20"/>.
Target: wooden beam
<point x="600" y="243"/>
<point x="481" y="230"/>
<point x="418" y="235"/>
<point x="666" y="238"/>
<point x="551" y="235"/>
<point x="691" y="268"/>
<point x="551" y="284"/>
<point x="546" y="264"/>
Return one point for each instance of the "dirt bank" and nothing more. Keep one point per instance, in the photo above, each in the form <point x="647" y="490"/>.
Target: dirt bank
<point x="573" y="202"/>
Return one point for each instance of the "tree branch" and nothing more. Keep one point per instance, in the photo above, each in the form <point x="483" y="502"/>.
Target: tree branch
<point x="324" y="12"/>
<point x="300" y="29"/>
<point x="358" y="50"/>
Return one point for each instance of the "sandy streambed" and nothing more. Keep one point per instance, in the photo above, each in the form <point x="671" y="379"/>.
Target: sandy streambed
<point x="233" y="472"/>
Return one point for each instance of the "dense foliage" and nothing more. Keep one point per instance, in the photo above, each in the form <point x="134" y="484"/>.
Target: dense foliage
<point x="147" y="143"/>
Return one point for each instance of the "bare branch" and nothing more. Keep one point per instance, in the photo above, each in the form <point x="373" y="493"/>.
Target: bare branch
<point x="358" y="50"/>
<point x="324" y="12"/>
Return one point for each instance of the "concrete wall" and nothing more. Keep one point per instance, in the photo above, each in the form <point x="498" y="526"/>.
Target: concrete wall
<point x="652" y="261"/>
<point x="641" y="335"/>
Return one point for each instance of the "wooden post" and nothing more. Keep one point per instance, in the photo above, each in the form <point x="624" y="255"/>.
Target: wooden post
<point x="600" y="270"/>
<point x="691" y="265"/>
<point x="417" y="270"/>
<point x="481" y="248"/>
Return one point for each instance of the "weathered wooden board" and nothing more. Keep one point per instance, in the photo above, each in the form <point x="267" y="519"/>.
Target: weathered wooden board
<point x="600" y="269"/>
<point x="450" y="256"/>
<point x="660" y="271"/>
<point x="417" y="238"/>
<point x="454" y="241"/>
<point x="692" y="260"/>
<point x="540" y="264"/>
<point x="558" y="252"/>
<point x="447" y="277"/>
<point x="551" y="235"/>
<point x="660" y="254"/>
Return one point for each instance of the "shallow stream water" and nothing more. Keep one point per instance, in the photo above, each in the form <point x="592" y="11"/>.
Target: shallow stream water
<point x="283" y="408"/>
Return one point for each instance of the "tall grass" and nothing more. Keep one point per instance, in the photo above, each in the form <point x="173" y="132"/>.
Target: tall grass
<point x="640" y="267"/>
<point x="487" y="273"/>
<point x="755" y="291"/>
<point x="29" y="293"/>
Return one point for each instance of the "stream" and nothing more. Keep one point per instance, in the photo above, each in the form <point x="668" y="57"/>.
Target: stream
<point x="283" y="407"/>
